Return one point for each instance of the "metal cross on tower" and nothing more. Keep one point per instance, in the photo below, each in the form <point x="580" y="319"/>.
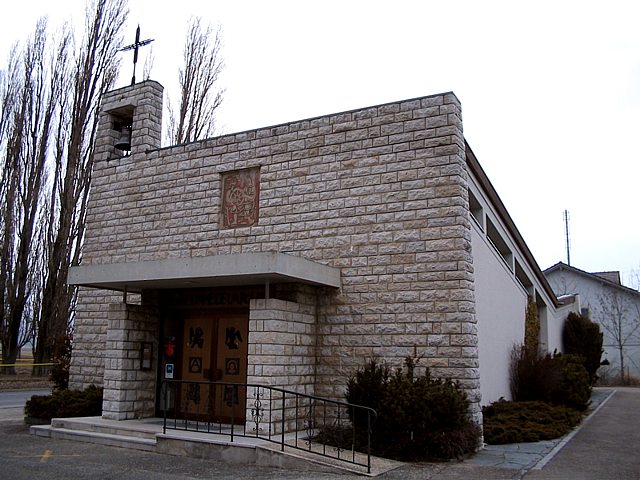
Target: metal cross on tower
<point x="134" y="46"/>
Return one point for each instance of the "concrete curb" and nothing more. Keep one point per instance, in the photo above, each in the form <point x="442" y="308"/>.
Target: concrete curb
<point x="549" y="456"/>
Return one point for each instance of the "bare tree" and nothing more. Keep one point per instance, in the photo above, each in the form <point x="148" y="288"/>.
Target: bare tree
<point x="199" y="95"/>
<point x="148" y="64"/>
<point x="634" y="278"/>
<point x="92" y="73"/>
<point x="620" y="319"/>
<point x="28" y="115"/>
<point x="563" y="285"/>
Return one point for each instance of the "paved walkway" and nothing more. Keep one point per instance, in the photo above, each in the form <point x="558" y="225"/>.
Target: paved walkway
<point x="606" y="447"/>
<point x="525" y="456"/>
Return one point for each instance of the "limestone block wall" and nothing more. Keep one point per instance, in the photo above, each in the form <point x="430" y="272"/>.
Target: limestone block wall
<point x="379" y="192"/>
<point x="143" y="103"/>
<point x="282" y="352"/>
<point x="89" y="337"/>
<point x="129" y="392"/>
<point x="282" y="344"/>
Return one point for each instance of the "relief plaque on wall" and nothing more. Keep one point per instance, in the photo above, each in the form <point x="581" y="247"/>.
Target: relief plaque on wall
<point x="240" y="198"/>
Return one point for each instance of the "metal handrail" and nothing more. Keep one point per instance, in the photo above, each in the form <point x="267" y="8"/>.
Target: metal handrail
<point x="273" y="414"/>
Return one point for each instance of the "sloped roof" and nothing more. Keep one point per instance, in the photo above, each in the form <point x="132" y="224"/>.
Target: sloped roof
<point x="611" y="276"/>
<point x="596" y="277"/>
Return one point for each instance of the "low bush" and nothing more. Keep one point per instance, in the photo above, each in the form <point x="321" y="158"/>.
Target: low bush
<point x="559" y="379"/>
<point x="574" y="386"/>
<point x="417" y="418"/>
<point x="531" y="375"/>
<point x="66" y="403"/>
<point x="515" y="422"/>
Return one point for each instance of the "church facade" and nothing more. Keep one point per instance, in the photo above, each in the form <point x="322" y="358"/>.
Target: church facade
<point x="291" y="254"/>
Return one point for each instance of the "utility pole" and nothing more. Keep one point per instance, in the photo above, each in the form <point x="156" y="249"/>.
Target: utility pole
<point x="566" y="231"/>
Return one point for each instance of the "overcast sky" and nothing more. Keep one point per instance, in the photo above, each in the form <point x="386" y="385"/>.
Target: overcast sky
<point x="550" y="91"/>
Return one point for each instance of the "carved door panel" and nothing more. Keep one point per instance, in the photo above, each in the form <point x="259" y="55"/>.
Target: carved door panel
<point x="214" y="349"/>
<point x="231" y="363"/>
<point x="197" y="366"/>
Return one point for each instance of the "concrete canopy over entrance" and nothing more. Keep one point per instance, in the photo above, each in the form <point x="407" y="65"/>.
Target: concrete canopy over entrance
<point x="216" y="270"/>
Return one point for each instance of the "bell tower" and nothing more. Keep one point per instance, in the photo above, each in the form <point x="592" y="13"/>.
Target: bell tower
<point x="130" y="121"/>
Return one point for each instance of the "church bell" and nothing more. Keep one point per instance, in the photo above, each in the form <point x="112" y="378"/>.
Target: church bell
<point x="124" y="142"/>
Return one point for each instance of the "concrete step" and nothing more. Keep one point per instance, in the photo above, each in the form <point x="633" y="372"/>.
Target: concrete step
<point x="113" y="440"/>
<point x="110" y="427"/>
<point x="147" y="435"/>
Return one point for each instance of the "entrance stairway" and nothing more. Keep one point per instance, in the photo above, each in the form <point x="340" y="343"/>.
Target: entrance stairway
<point x="146" y="434"/>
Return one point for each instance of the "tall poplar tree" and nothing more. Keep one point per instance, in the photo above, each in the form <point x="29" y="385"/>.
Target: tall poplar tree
<point x="93" y="72"/>
<point x="200" y="95"/>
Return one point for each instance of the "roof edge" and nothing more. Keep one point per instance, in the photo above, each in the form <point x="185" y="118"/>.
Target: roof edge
<point x="215" y="270"/>
<point x="485" y="183"/>
<point x="591" y="276"/>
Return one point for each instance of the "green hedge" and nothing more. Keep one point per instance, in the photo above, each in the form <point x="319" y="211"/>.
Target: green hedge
<point x="583" y="337"/>
<point x="66" y="403"/>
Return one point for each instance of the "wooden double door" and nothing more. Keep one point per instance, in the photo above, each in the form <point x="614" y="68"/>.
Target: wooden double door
<point x="214" y="348"/>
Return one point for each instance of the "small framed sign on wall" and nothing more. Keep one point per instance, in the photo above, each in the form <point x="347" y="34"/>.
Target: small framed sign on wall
<point x="146" y="355"/>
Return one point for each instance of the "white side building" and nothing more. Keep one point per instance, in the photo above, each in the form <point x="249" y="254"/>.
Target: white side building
<point x="506" y="274"/>
<point x="613" y="306"/>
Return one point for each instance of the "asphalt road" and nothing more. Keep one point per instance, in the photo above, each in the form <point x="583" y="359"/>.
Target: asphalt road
<point x="17" y="398"/>
<point x="605" y="447"/>
<point x="26" y="457"/>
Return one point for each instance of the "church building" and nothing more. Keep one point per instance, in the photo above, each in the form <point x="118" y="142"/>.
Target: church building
<point x="290" y="255"/>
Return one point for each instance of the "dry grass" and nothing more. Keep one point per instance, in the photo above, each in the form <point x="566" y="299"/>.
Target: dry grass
<point x="23" y="380"/>
<point x="608" y="380"/>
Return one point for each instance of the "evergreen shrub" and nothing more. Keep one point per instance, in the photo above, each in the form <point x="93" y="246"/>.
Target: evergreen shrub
<point x="515" y="422"/>
<point x="417" y="418"/>
<point x="66" y="403"/>
<point x="574" y="387"/>
<point x="559" y="379"/>
<point x="581" y="336"/>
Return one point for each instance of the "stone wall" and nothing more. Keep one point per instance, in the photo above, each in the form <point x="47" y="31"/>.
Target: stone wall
<point x="379" y="192"/>
<point x="143" y="102"/>
<point x="281" y="349"/>
<point x="129" y="391"/>
<point x="282" y="344"/>
<point x="89" y="336"/>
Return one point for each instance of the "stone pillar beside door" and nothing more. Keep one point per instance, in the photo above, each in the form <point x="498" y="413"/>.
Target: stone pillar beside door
<point x="281" y="354"/>
<point x="130" y="386"/>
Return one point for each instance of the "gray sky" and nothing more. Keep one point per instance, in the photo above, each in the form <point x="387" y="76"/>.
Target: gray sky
<point x="550" y="90"/>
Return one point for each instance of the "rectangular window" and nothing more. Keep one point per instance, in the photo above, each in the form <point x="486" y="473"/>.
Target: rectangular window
<point x="476" y="210"/>
<point x="499" y="244"/>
